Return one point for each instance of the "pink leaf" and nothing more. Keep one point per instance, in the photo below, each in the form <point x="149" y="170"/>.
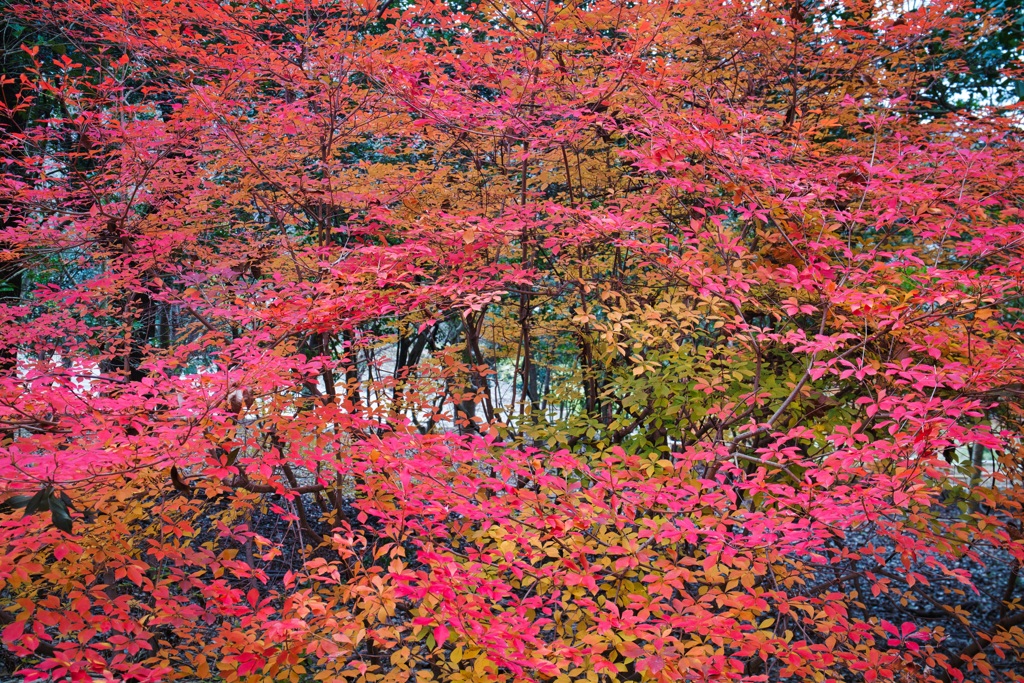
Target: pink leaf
<point x="440" y="635"/>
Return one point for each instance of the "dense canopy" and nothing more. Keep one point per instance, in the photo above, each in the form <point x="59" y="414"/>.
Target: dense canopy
<point x="512" y="340"/>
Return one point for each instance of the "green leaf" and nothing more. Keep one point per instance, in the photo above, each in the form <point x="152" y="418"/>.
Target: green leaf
<point x="40" y="501"/>
<point x="178" y="483"/>
<point x="17" y="502"/>
<point x="59" y="514"/>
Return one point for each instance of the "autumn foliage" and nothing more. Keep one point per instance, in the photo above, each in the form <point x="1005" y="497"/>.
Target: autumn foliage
<point x="362" y="340"/>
